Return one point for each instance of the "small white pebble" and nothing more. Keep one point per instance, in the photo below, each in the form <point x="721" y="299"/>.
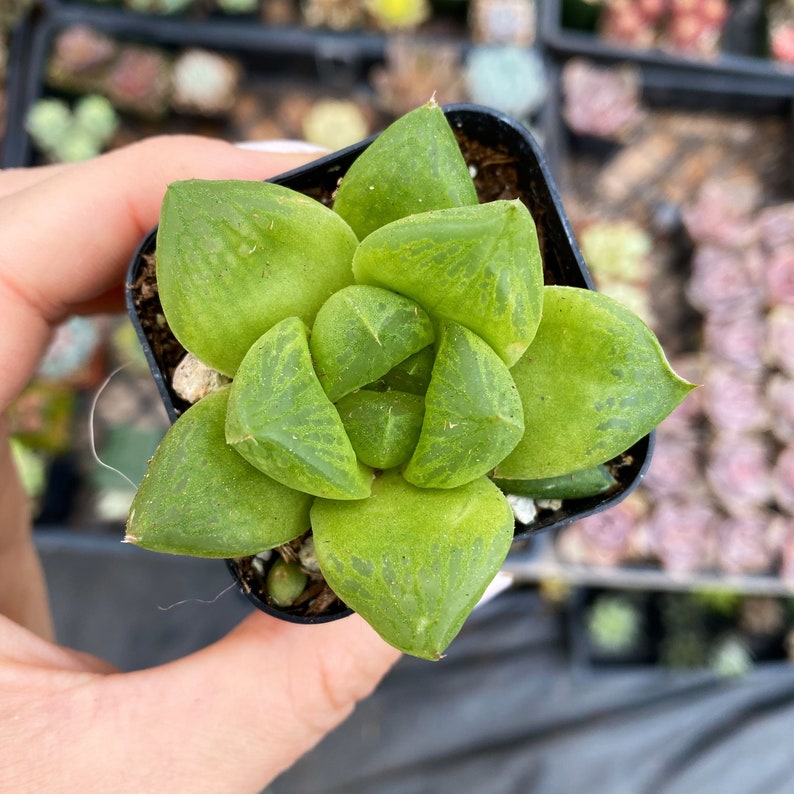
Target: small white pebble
<point x="193" y="380"/>
<point x="523" y="508"/>
<point x="549" y="504"/>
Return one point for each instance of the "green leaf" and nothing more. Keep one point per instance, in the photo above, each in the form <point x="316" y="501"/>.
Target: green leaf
<point x="411" y="376"/>
<point x="200" y="498"/>
<point x="234" y="258"/>
<point x="479" y="266"/>
<point x="576" y="485"/>
<point x="473" y="415"/>
<point x="281" y="421"/>
<point x="383" y="427"/>
<point x="414" y="562"/>
<point x="360" y="333"/>
<point x="594" y="381"/>
<point x="378" y="187"/>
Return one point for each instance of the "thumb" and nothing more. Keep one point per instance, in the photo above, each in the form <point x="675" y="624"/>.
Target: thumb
<point x="234" y="715"/>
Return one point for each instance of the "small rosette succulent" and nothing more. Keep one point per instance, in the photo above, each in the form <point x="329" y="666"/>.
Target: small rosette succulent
<point x="391" y="359"/>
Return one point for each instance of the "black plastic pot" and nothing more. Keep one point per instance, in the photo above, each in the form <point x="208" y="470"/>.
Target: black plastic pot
<point x="507" y="163"/>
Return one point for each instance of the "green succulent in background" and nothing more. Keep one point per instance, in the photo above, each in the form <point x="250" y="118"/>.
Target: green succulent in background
<point x="161" y="7"/>
<point x="730" y="657"/>
<point x="387" y="357"/>
<point x="614" y="624"/>
<point x="70" y="135"/>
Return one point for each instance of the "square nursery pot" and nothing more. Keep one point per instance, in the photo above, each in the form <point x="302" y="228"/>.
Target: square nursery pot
<point x="506" y="163"/>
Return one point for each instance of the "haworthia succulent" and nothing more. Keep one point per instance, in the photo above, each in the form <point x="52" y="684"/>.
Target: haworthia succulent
<point x="594" y="381"/>
<point x="479" y="266"/>
<point x="413" y="166"/>
<point x="362" y="332"/>
<point x="414" y="562"/>
<point x="281" y="421"/>
<point x="235" y="257"/>
<point x="473" y="415"/>
<point x="576" y="485"/>
<point x="200" y="498"/>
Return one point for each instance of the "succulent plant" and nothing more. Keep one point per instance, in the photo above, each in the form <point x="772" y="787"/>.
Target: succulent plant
<point x="238" y="6"/>
<point x="682" y="535"/>
<point x="743" y="547"/>
<point x="47" y="121"/>
<point x="676" y="467"/>
<point x="407" y="281"/>
<point x="414" y="70"/>
<point x="161" y="7"/>
<point x="730" y="657"/>
<point x="733" y="401"/>
<point x="334" y="124"/>
<point x="778" y="348"/>
<point x="204" y="82"/>
<point x="97" y="117"/>
<point x="736" y="339"/>
<point x="775" y="226"/>
<point x="762" y="616"/>
<point x="334" y="14"/>
<point x="69" y="136"/>
<point x="139" y="81"/>
<point x="725" y="280"/>
<point x="779" y="276"/>
<point x="80" y="58"/>
<point x="603" y="101"/>
<point x="396" y="15"/>
<point x="780" y="28"/>
<point x="694" y="27"/>
<point x="784" y="480"/>
<point x="510" y="79"/>
<point x="632" y="23"/>
<point x="503" y="22"/>
<point x="739" y="472"/>
<point x="614" y="624"/>
<point x="780" y="404"/>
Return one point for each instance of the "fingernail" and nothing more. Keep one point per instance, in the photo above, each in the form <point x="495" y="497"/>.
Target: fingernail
<point x="282" y="146"/>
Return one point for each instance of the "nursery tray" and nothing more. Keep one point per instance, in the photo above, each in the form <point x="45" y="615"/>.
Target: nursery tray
<point x="734" y="71"/>
<point x="317" y="61"/>
<point x="507" y="164"/>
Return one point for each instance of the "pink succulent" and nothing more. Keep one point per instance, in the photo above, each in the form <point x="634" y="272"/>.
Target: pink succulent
<point x="780" y="404"/>
<point x="786" y="529"/>
<point x="778" y="349"/>
<point x="779" y="275"/>
<point x="724" y="281"/>
<point x="733" y="401"/>
<point x="784" y="480"/>
<point x="722" y="212"/>
<point x="739" y="472"/>
<point x="675" y="469"/>
<point x="743" y="546"/>
<point x="775" y="226"/>
<point x="626" y="22"/>
<point x="606" y="538"/>
<point x="601" y="101"/>
<point x="735" y="339"/>
<point x="781" y="42"/>
<point x="681" y="535"/>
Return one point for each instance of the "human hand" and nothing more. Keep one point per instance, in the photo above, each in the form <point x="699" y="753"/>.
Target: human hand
<point x="230" y="717"/>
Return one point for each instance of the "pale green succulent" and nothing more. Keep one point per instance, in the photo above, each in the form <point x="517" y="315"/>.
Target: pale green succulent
<point x="614" y="624"/>
<point x="380" y="373"/>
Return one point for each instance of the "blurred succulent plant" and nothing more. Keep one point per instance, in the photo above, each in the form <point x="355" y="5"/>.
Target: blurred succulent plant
<point x="603" y="101"/>
<point x="743" y="547"/>
<point x="415" y="70"/>
<point x="618" y="249"/>
<point x="140" y="81"/>
<point x="205" y="82"/>
<point x="682" y="535"/>
<point x="334" y="124"/>
<point x="762" y="616"/>
<point x="724" y="280"/>
<point x="334" y="14"/>
<point x="632" y="23"/>
<point x="510" y="79"/>
<point x="503" y="22"/>
<point x="778" y="349"/>
<point x="784" y="480"/>
<point x="719" y="600"/>
<point x="80" y="58"/>
<point x="237" y="6"/>
<point x="730" y="657"/>
<point x="736" y="339"/>
<point x="733" y="400"/>
<point x="780" y="28"/>
<point x="161" y="7"/>
<point x="614" y="624"/>
<point x="694" y="27"/>
<point x="676" y="468"/>
<point x="67" y="136"/>
<point x="739" y="472"/>
<point x="394" y="15"/>
<point x="780" y="404"/>
<point x="779" y="275"/>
